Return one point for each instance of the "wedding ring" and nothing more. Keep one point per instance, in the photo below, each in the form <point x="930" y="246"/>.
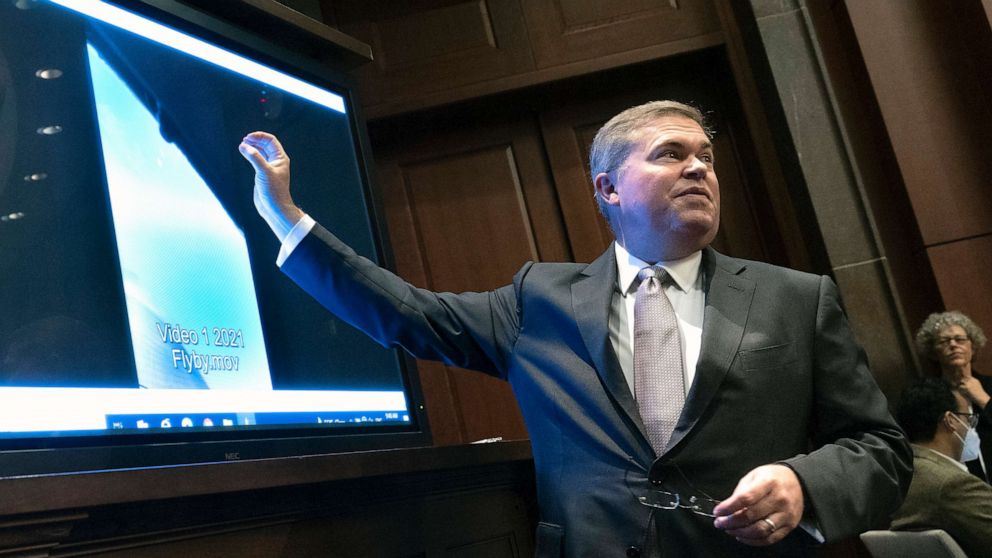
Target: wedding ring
<point x="771" y="525"/>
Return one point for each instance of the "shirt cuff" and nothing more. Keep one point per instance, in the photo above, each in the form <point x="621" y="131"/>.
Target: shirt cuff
<point x="812" y="528"/>
<point x="296" y="234"/>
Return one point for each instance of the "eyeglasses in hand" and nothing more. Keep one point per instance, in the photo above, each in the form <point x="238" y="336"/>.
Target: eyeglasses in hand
<point x="664" y="500"/>
<point x="688" y="497"/>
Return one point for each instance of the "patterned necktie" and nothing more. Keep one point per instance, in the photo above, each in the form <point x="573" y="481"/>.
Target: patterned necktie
<point x="659" y="378"/>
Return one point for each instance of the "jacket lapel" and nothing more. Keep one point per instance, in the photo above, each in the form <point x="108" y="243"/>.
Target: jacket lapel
<point x="728" y="300"/>
<point x="592" y="295"/>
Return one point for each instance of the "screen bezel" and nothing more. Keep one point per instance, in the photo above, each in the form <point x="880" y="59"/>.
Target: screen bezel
<point x="301" y="57"/>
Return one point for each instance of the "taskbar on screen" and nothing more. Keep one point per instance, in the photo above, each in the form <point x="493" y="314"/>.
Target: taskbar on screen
<point x="165" y="421"/>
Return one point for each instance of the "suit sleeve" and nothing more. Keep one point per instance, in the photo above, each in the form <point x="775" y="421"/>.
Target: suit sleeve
<point x="469" y="330"/>
<point x="860" y="449"/>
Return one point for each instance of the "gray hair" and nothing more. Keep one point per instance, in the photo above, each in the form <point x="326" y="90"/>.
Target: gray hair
<point x="926" y="337"/>
<point x="618" y="137"/>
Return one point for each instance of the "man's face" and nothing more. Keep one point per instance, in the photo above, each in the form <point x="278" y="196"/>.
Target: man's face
<point x="954" y="349"/>
<point x="666" y="196"/>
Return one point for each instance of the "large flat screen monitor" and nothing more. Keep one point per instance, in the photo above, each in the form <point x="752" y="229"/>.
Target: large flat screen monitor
<point x="143" y="320"/>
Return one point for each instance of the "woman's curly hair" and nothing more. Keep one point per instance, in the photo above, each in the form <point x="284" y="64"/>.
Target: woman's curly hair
<point x="926" y="337"/>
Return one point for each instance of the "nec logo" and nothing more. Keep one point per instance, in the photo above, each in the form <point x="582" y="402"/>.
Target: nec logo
<point x="232" y="456"/>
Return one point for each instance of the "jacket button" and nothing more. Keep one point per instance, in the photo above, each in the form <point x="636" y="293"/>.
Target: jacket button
<point x="633" y="551"/>
<point x="660" y="469"/>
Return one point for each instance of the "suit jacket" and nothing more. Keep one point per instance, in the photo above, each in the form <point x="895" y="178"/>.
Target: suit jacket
<point x="943" y="496"/>
<point x="779" y="379"/>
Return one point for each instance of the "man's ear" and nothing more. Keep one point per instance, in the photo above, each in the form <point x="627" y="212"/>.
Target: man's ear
<point x="606" y="190"/>
<point x="948" y="421"/>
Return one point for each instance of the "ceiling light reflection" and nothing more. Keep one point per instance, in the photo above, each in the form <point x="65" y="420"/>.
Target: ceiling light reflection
<point x="49" y="73"/>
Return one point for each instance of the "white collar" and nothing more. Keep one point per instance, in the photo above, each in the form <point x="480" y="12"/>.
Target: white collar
<point x="957" y="463"/>
<point x="684" y="271"/>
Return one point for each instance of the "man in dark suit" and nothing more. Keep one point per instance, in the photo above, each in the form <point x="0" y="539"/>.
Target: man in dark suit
<point x="783" y="438"/>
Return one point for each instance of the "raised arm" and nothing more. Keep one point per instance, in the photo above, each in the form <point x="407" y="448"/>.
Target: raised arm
<point x="272" y="196"/>
<point x="470" y="330"/>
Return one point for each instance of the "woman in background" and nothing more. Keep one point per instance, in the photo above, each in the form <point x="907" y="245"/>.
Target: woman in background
<point x="952" y="340"/>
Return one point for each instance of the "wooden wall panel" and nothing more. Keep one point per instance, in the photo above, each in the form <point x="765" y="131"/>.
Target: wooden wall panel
<point x="564" y="31"/>
<point x="466" y="207"/>
<point x="932" y="87"/>
<point x="430" y="53"/>
<point x="928" y="70"/>
<point x="421" y="47"/>
<point x="568" y="133"/>
<point x="451" y="201"/>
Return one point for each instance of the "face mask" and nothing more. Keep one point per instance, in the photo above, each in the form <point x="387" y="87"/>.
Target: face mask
<point x="971" y="443"/>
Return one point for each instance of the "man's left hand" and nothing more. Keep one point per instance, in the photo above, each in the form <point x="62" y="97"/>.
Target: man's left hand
<point x="765" y="507"/>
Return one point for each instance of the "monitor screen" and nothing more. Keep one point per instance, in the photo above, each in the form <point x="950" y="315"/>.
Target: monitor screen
<point x="141" y="302"/>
